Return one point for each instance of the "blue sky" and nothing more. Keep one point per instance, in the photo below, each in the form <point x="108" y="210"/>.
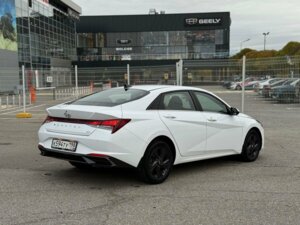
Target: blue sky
<point x="250" y="18"/>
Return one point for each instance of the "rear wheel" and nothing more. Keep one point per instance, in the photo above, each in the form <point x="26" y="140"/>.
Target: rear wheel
<point x="157" y="163"/>
<point x="80" y="166"/>
<point x="238" y="87"/>
<point x="251" y="147"/>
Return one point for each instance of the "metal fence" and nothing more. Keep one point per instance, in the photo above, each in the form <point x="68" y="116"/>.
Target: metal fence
<point x="271" y="79"/>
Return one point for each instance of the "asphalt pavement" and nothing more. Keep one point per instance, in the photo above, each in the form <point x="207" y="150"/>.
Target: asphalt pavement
<point x="36" y="190"/>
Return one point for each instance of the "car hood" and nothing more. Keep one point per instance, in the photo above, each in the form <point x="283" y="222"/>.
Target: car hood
<point x="245" y="116"/>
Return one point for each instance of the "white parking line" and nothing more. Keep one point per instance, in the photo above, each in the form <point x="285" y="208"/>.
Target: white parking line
<point x="20" y="110"/>
<point x="10" y="108"/>
<point x="292" y="108"/>
<point x="14" y="118"/>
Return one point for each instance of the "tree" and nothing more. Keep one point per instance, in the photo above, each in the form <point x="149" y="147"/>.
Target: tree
<point x="292" y="48"/>
<point x="241" y="53"/>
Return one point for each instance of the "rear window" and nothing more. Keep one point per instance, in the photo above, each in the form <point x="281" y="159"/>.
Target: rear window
<point x="111" y="97"/>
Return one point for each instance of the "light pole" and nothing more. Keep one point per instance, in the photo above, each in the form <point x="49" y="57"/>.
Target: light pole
<point x="265" y="39"/>
<point x="241" y="47"/>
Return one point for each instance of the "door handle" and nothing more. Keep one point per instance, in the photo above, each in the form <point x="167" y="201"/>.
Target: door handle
<point x="170" y="117"/>
<point x="211" y="120"/>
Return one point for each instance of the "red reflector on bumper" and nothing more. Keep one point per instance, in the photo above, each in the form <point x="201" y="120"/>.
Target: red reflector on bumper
<point x="97" y="155"/>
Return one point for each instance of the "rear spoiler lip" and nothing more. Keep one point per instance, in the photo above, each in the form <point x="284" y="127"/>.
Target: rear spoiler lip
<point x="84" y="113"/>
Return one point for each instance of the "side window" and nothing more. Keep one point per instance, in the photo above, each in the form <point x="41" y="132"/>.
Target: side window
<point x="180" y="100"/>
<point x="210" y="103"/>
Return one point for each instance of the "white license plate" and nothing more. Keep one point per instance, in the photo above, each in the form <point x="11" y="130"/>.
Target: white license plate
<point x="64" y="145"/>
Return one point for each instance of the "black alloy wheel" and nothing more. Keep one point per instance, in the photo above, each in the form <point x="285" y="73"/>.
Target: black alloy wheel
<point x="157" y="163"/>
<point x="252" y="146"/>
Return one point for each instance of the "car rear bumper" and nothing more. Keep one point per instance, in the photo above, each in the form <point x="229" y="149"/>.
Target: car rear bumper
<point x="122" y="145"/>
<point x="92" y="160"/>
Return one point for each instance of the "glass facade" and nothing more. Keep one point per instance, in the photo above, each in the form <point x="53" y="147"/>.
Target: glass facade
<point x="156" y="45"/>
<point x="46" y="38"/>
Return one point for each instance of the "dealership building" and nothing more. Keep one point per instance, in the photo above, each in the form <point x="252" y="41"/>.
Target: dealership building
<point x="41" y="35"/>
<point x="152" y="43"/>
<point x="51" y="37"/>
<point x="153" y="37"/>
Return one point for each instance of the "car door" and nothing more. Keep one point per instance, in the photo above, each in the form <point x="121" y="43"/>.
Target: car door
<point x="187" y="126"/>
<point x="224" y="131"/>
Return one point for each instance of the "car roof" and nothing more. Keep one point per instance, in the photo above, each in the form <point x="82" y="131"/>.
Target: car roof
<point x="164" y="88"/>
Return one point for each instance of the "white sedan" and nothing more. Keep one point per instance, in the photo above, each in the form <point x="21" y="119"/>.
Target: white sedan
<point x="150" y="128"/>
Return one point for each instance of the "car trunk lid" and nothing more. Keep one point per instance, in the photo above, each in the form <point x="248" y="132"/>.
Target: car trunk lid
<point x="79" y="120"/>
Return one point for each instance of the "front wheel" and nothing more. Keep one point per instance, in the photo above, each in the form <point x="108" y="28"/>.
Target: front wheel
<point x="157" y="163"/>
<point x="251" y="147"/>
<point x="238" y="87"/>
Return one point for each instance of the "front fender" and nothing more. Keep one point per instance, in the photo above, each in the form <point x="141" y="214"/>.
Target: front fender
<point x="260" y="128"/>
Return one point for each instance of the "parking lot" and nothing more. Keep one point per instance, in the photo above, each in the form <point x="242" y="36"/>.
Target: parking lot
<point x="36" y="190"/>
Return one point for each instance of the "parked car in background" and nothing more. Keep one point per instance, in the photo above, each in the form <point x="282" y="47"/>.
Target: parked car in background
<point x="238" y="85"/>
<point x="229" y="81"/>
<point x="251" y="85"/>
<point x="259" y="85"/>
<point x="266" y="91"/>
<point x="287" y="93"/>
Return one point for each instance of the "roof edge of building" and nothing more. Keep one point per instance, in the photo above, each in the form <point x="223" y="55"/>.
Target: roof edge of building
<point x="72" y="5"/>
<point x="165" y="14"/>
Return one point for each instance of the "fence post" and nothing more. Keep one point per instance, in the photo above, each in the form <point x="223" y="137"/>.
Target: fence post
<point x="23" y="88"/>
<point x="54" y="93"/>
<point x="13" y="100"/>
<point x="179" y="73"/>
<point x="76" y="81"/>
<point x="128" y="74"/>
<point x="243" y="83"/>
<point x="24" y="114"/>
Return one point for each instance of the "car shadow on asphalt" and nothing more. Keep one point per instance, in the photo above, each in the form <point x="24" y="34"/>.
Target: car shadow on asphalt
<point x="112" y="177"/>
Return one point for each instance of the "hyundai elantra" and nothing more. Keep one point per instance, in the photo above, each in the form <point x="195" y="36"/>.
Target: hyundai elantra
<point x="150" y="128"/>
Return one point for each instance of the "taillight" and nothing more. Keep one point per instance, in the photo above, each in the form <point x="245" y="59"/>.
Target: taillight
<point x="113" y="124"/>
<point x="48" y="119"/>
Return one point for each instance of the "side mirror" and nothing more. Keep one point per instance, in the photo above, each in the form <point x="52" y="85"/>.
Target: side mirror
<point x="234" y="111"/>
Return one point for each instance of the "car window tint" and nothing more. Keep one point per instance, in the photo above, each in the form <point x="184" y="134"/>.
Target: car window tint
<point x="111" y="97"/>
<point x="177" y="101"/>
<point x="210" y="103"/>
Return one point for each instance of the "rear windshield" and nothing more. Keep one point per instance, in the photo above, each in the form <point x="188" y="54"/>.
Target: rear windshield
<point x="111" y="97"/>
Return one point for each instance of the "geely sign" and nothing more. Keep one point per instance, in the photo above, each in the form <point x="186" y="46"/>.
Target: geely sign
<point x="191" y="21"/>
<point x="202" y="21"/>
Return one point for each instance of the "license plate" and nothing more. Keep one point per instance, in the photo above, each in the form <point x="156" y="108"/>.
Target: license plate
<point x="64" y="145"/>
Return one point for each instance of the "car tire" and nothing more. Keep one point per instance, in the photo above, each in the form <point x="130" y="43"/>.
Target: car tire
<point x="157" y="163"/>
<point x="238" y="87"/>
<point x="251" y="146"/>
<point x="81" y="166"/>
